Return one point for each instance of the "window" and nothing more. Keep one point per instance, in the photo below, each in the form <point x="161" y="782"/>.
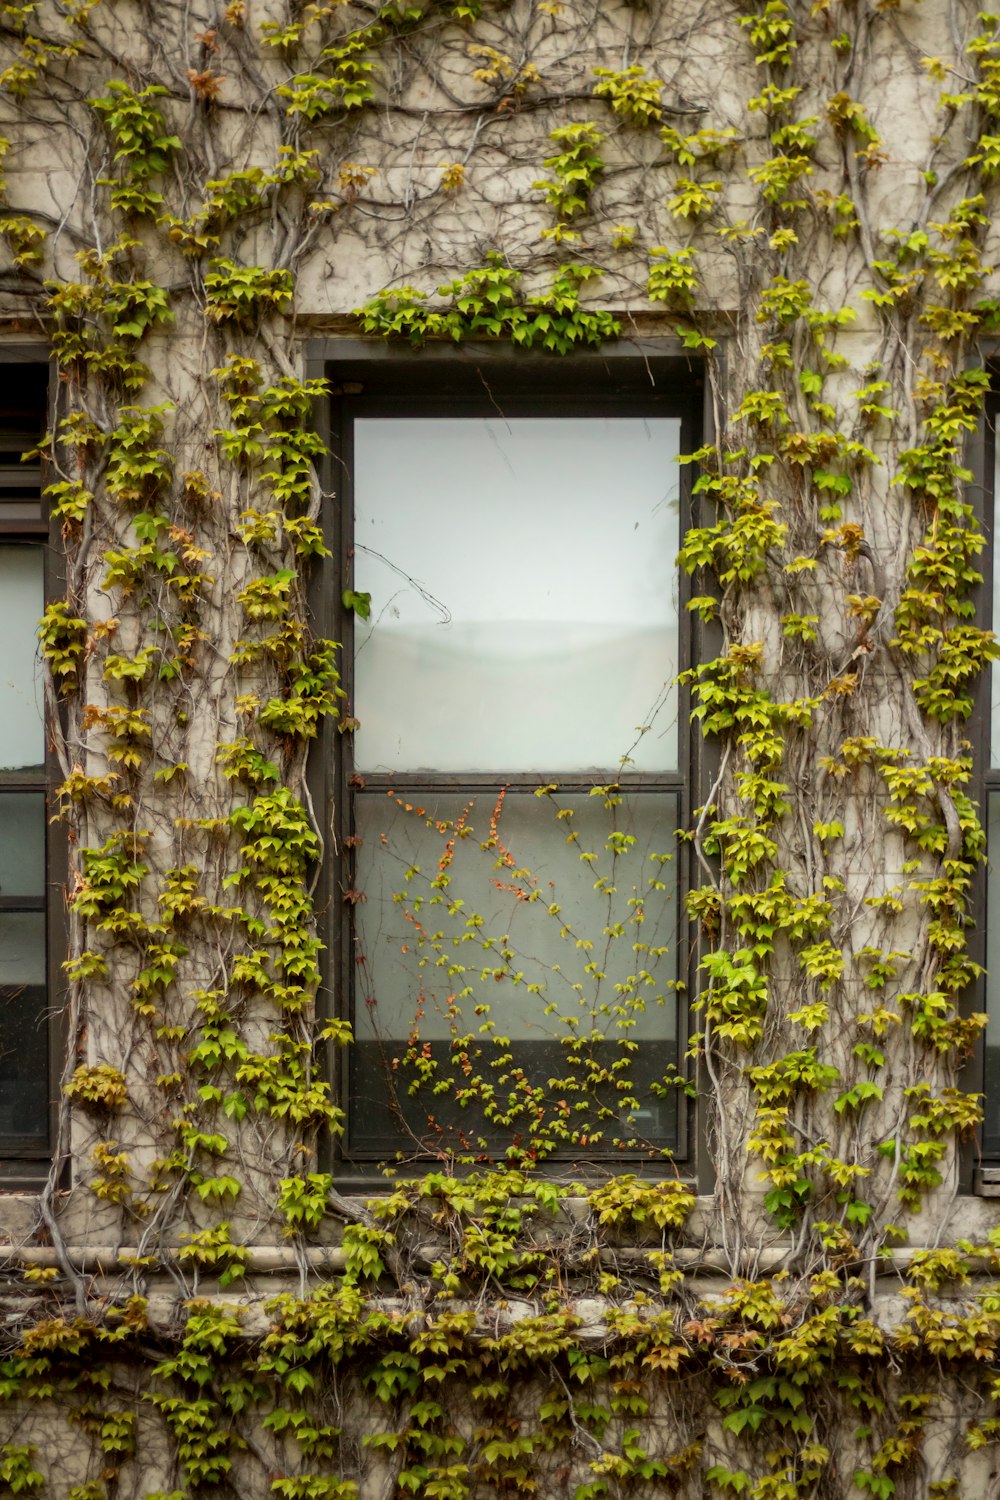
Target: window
<point x="27" y="1054"/>
<point x="981" y="734"/>
<point x="984" y="731"/>
<point x="989" y="751"/>
<point x="507" y="803"/>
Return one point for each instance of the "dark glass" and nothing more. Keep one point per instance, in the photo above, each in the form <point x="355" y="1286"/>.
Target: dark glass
<point x="23" y="402"/>
<point x="24" y="1085"/>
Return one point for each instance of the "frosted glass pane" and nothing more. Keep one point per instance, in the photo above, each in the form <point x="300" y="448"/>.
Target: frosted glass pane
<point x="485" y="918"/>
<point x="24" y="1087"/>
<point x="22" y="844"/>
<point x="22" y="596"/>
<point x="523" y="583"/>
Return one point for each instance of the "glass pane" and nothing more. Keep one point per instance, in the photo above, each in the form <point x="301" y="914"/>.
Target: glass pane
<point x="19" y="510"/>
<point x="22" y="596"/>
<point x="523" y="583"/>
<point x="24" y="1083"/>
<point x="20" y="482"/>
<point x="516" y="926"/>
<point x="22" y="844"/>
<point x="991" y="1102"/>
<point x="995" y="668"/>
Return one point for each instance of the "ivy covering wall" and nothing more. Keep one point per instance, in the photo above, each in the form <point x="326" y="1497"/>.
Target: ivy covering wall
<point x="804" y="196"/>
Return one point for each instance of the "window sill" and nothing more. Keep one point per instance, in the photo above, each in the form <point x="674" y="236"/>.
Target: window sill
<point x="697" y="1247"/>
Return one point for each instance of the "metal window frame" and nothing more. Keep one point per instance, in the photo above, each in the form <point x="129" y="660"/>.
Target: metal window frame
<point x="440" y="378"/>
<point x="22" y="1167"/>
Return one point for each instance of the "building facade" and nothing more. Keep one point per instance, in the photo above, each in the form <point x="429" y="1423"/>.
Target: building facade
<point x="495" y="914"/>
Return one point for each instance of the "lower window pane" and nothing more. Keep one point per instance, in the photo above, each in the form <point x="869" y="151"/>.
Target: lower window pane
<point x="991" y="1085"/>
<point x="22" y="844"/>
<point x="24" y="1081"/>
<point x="516" y="972"/>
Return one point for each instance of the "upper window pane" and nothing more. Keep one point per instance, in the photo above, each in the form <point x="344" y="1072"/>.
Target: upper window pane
<point x="524" y="603"/>
<point x="23" y="401"/>
<point x="20" y="483"/>
<point x="22" y="598"/>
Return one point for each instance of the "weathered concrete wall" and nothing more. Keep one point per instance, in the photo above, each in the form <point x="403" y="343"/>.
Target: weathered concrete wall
<point x="803" y="202"/>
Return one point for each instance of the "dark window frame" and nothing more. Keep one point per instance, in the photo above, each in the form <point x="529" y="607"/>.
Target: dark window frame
<point x="25" y="1167"/>
<point x="625" y="375"/>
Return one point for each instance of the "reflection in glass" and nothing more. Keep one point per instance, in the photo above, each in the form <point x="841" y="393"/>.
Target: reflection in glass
<point x="22" y="844"/>
<point x="524" y="611"/>
<point x="22" y="737"/>
<point x="23" y="1026"/>
<point x="562" y="930"/>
